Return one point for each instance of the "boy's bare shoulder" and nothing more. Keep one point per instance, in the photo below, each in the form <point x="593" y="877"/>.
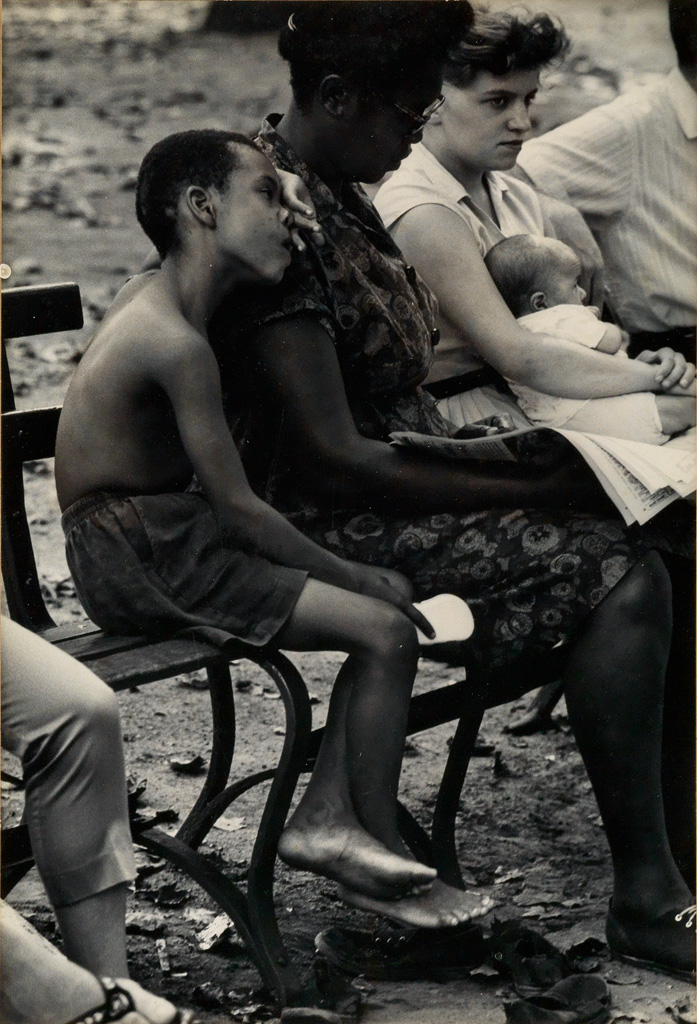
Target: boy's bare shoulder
<point x="143" y="315"/>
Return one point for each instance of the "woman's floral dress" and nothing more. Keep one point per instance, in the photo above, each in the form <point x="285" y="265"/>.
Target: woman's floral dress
<point x="530" y="577"/>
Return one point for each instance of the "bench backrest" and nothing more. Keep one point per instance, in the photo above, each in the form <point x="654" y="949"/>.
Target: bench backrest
<point x="28" y="435"/>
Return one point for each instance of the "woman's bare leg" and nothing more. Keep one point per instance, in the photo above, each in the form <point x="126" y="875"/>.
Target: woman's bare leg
<point x="614" y="705"/>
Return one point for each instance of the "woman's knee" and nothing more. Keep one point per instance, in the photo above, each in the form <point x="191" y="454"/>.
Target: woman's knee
<point x="644" y="596"/>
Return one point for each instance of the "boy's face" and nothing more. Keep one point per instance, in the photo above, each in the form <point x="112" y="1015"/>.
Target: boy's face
<point x="561" y="280"/>
<point x="252" y="226"/>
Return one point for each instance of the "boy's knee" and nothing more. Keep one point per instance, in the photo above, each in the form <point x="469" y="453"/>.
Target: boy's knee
<point x="393" y="635"/>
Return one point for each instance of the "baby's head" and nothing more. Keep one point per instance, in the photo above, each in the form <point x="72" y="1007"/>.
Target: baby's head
<point x="535" y="273"/>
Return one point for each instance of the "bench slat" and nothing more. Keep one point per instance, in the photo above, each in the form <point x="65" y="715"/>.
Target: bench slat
<point x="41" y="309"/>
<point x="29" y="434"/>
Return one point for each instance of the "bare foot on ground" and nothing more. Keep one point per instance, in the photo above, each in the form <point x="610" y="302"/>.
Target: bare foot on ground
<point x="353" y="858"/>
<point x="441" y="907"/>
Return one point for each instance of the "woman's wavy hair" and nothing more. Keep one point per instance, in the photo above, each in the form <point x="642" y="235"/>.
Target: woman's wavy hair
<point x="503" y="42"/>
<point x="376" y="46"/>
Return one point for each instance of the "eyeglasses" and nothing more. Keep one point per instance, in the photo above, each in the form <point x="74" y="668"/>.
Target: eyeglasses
<point x="419" y="119"/>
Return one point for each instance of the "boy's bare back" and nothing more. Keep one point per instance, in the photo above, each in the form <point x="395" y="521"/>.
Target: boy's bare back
<point x="117" y="430"/>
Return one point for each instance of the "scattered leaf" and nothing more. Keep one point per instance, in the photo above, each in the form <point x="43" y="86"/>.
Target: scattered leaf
<point x="188" y="766"/>
<point x="231" y="824"/>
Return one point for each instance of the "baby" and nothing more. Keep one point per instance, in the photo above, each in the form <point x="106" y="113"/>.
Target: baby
<point x="538" y="279"/>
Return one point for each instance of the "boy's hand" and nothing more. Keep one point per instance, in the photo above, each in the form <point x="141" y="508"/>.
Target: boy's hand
<point x="389" y="585"/>
<point x="673" y="368"/>
<point x="296" y="198"/>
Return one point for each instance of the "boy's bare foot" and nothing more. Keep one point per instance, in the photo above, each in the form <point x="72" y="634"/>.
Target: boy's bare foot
<point x="441" y="907"/>
<point x="350" y="856"/>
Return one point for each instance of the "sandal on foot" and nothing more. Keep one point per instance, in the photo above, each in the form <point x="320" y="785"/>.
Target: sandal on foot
<point x="526" y="958"/>
<point x="405" y="954"/>
<point x="578" y="999"/>
<point x="117" y="1003"/>
<point x="670" y="948"/>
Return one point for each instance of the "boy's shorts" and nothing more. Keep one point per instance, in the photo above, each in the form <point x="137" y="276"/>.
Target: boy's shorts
<point x="158" y="564"/>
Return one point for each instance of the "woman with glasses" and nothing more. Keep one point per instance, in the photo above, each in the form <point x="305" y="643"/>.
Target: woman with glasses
<point x="332" y="359"/>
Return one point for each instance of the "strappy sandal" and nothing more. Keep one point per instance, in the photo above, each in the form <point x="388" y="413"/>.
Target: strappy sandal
<point x="117" y="1003"/>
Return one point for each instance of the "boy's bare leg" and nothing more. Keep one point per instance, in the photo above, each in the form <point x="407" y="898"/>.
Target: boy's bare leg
<point x="346" y="823"/>
<point x="614" y="708"/>
<point x="675" y="413"/>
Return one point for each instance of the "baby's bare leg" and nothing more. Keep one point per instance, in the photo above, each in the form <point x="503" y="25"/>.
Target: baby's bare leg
<point x="345" y="826"/>
<point x="675" y="413"/>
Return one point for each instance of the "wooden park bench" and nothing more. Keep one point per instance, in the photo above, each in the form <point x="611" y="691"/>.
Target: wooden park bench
<point x="126" y="661"/>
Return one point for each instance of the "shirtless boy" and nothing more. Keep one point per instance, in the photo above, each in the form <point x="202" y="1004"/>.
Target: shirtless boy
<point x="539" y="281"/>
<point x="142" y="416"/>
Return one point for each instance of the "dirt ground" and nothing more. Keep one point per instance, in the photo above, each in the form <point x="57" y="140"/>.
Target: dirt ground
<point x="88" y="87"/>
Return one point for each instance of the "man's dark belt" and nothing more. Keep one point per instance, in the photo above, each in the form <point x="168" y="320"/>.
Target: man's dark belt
<point x="465" y="382"/>
<point x="682" y="339"/>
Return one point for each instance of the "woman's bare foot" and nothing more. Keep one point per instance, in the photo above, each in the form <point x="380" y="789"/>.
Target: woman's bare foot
<point x="441" y="907"/>
<point x="350" y="856"/>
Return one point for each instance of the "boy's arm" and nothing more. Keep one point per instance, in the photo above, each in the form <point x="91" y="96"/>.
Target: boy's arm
<point x="189" y="374"/>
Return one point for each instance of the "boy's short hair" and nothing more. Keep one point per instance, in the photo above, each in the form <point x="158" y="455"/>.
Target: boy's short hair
<point x="504" y="41"/>
<point x="516" y="265"/>
<point x="205" y="157"/>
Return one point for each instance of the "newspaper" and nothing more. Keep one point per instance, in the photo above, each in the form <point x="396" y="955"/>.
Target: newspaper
<point x="641" y="479"/>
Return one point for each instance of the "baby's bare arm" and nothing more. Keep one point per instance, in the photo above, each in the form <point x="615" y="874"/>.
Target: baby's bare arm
<point x="675" y="413"/>
<point x="614" y="340"/>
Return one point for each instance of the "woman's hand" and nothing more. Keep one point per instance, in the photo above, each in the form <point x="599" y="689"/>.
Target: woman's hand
<point x="673" y="368"/>
<point x="389" y="585"/>
<point x="296" y="198"/>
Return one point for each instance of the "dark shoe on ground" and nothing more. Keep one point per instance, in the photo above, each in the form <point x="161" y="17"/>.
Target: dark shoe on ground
<point x="578" y="999"/>
<point x="668" y="946"/>
<point x="405" y="954"/>
<point x="526" y="958"/>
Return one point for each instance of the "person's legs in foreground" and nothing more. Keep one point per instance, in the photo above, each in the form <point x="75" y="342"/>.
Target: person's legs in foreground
<point x="615" y="707"/>
<point x="40" y="986"/>
<point x="345" y="826"/>
<point x="64" y="724"/>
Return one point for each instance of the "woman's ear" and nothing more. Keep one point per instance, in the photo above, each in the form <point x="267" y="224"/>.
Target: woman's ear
<point x="334" y="94"/>
<point x="199" y="203"/>
<point x="537" y="301"/>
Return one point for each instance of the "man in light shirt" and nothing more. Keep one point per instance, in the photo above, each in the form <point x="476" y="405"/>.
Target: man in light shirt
<point x="630" y="167"/>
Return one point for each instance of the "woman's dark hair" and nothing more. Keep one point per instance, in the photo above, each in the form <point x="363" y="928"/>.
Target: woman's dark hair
<point x="205" y="157"/>
<point x="377" y="46"/>
<point x="503" y="42"/>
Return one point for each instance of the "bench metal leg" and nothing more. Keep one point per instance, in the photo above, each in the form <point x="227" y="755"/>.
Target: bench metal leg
<point x="448" y="800"/>
<point x="266" y="937"/>
<point x="416" y="837"/>
<point x="197" y="822"/>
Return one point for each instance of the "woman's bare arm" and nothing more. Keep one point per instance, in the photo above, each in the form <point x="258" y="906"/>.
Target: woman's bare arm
<point x="301" y="378"/>
<point x="444" y="251"/>
<point x="188" y="373"/>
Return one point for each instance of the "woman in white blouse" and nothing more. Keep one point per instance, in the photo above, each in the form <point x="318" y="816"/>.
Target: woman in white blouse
<point x="451" y="201"/>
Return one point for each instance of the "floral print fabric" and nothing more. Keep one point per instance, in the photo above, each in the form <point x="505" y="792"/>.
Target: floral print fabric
<point x="531" y="577"/>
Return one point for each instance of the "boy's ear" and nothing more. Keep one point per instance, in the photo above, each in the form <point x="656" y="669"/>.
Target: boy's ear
<point x="199" y="203"/>
<point x="334" y="94"/>
<point x="537" y="301"/>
